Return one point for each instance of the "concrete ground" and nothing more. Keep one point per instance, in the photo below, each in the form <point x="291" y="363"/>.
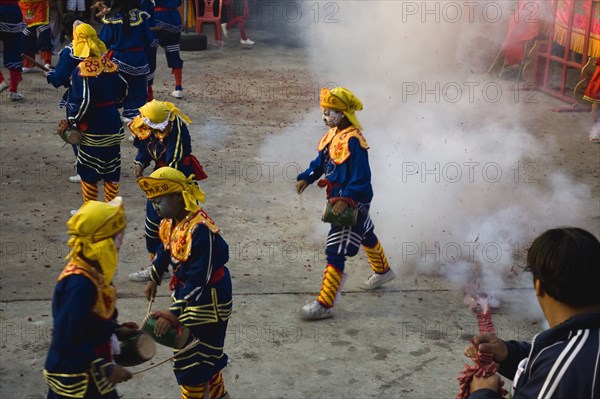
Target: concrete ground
<point x="403" y="341"/>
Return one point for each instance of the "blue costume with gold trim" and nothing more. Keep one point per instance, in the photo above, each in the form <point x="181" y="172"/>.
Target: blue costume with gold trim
<point x="344" y="162"/>
<point x="79" y="358"/>
<point x="174" y="150"/>
<point x="95" y="95"/>
<point x="202" y="291"/>
<point x="127" y="45"/>
<point x="67" y="62"/>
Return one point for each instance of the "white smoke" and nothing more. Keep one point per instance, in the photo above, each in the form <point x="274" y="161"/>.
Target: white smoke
<point x="460" y="185"/>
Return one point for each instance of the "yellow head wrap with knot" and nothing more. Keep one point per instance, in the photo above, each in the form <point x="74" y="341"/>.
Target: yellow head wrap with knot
<point x="92" y="230"/>
<point x="86" y="42"/>
<point x="168" y="180"/>
<point x="155" y="115"/>
<point x="342" y="99"/>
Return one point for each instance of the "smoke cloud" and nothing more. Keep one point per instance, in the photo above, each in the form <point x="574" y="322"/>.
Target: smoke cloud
<point x="460" y="184"/>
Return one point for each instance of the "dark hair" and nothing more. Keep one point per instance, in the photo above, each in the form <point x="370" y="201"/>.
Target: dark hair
<point x="567" y="263"/>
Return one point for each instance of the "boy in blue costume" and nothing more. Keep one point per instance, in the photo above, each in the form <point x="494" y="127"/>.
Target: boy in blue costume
<point x="161" y="137"/>
<point x="344" y="161"/>
<point x="95" y="95"/>
<point x="79" y="362"/>
<point x="11" y="26"/>
<point x="201" y="284"/>
<point x="126" y="33"/>
<point x="168" y="25"/>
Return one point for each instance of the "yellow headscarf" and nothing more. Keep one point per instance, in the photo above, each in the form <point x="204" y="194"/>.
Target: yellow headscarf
<point x="92" y="230"/>
<point x="168" y="180"/>
<point x="342" y="99"/>
<point x="155" y="115"/>
<point x="86" y="42"/>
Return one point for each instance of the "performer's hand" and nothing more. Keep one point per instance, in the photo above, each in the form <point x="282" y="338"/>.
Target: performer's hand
<point x="339" y="207"/>
<point x="301" y="186"/>
<point x="493" y="382"/>
<point x="138" y="171"/>
<point x="119" y="374"/>
<point x="150" y="290"/>
<point x="487" y="343"/>
<point x="162" y="326"/>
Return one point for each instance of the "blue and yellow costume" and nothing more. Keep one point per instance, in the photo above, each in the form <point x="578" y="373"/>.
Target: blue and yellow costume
<point x="11" y="26"/>
<point x="162" y="137"/>
<point x="126" y="33"/>
<point x="201" y="282"/>
<point x="38" y="33"/>
<point x="84" y="306"/>
<point x="344" y="162"/>
<point x="169" y="24"/>
<point x="67" y="62"/>
<point x="95" y="95"/>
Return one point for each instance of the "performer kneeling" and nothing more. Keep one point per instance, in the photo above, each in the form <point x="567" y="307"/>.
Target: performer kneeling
<point x="201" y="282"/>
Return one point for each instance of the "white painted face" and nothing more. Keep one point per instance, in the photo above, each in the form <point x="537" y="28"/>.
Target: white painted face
<point x="331" y="117"/>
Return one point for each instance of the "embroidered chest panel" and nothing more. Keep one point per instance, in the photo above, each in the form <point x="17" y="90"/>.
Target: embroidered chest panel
<point x="339" y="150"/>
<point x="178" y="239"/>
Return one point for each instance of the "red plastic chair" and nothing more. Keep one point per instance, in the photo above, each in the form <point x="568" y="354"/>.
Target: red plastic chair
<point x="209" y="17"/>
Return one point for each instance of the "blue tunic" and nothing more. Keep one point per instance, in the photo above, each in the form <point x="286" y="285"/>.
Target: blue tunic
<point x="80" y="340"/>
<point x="93" y="107"/>
<point x="67" y="62"/>
<point x="351" y="179"/>
<point x="202" y="307"/>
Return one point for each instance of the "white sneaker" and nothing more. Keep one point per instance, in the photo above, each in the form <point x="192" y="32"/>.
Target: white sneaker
<point x="125" y="119"/>
<point x="73" y="212"/>
<point x="144" y="275"/>
<point x="3" y="86"/>
<point x="15" y="96"/>
<point x="315" y="311"/>
<point x="225" y="31"/>
<point x="247" y="41"/>
<point x="377" y="280"/>
<point x="48" y="66"/>
<point x="177" y="93"/>
<point x="29" y="69"/>
<point x="75" y="179"/>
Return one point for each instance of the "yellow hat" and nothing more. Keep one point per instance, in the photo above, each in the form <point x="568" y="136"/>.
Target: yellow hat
<point x="341" y="99"/>
<point x="86" y="42"/>
<point x="92" y="230"/>
<point x="156" y="115"/>
<point x="167" y="180"/>
<point x="96" y="221"/>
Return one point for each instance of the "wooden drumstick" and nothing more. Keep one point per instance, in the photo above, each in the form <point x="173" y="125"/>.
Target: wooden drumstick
<point x="34" y="62"/>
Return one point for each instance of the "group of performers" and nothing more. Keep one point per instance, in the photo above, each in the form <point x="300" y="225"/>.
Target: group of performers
<point x="179" y="233"/>
<point x="131" y="30"/>
<point x="110" y="71"/>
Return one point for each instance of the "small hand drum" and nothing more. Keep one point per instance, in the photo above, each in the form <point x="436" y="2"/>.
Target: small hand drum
<point x="346" y="218"/>
<point x="137" y="348"/>
<point x="171" y="339"/>
<point x="71" y="136"/>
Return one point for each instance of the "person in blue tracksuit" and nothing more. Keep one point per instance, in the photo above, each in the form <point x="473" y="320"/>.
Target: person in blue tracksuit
<point x="563" y="361"/>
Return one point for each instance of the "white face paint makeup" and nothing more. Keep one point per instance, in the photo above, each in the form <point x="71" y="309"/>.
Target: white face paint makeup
<point x="331" y="117"/>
